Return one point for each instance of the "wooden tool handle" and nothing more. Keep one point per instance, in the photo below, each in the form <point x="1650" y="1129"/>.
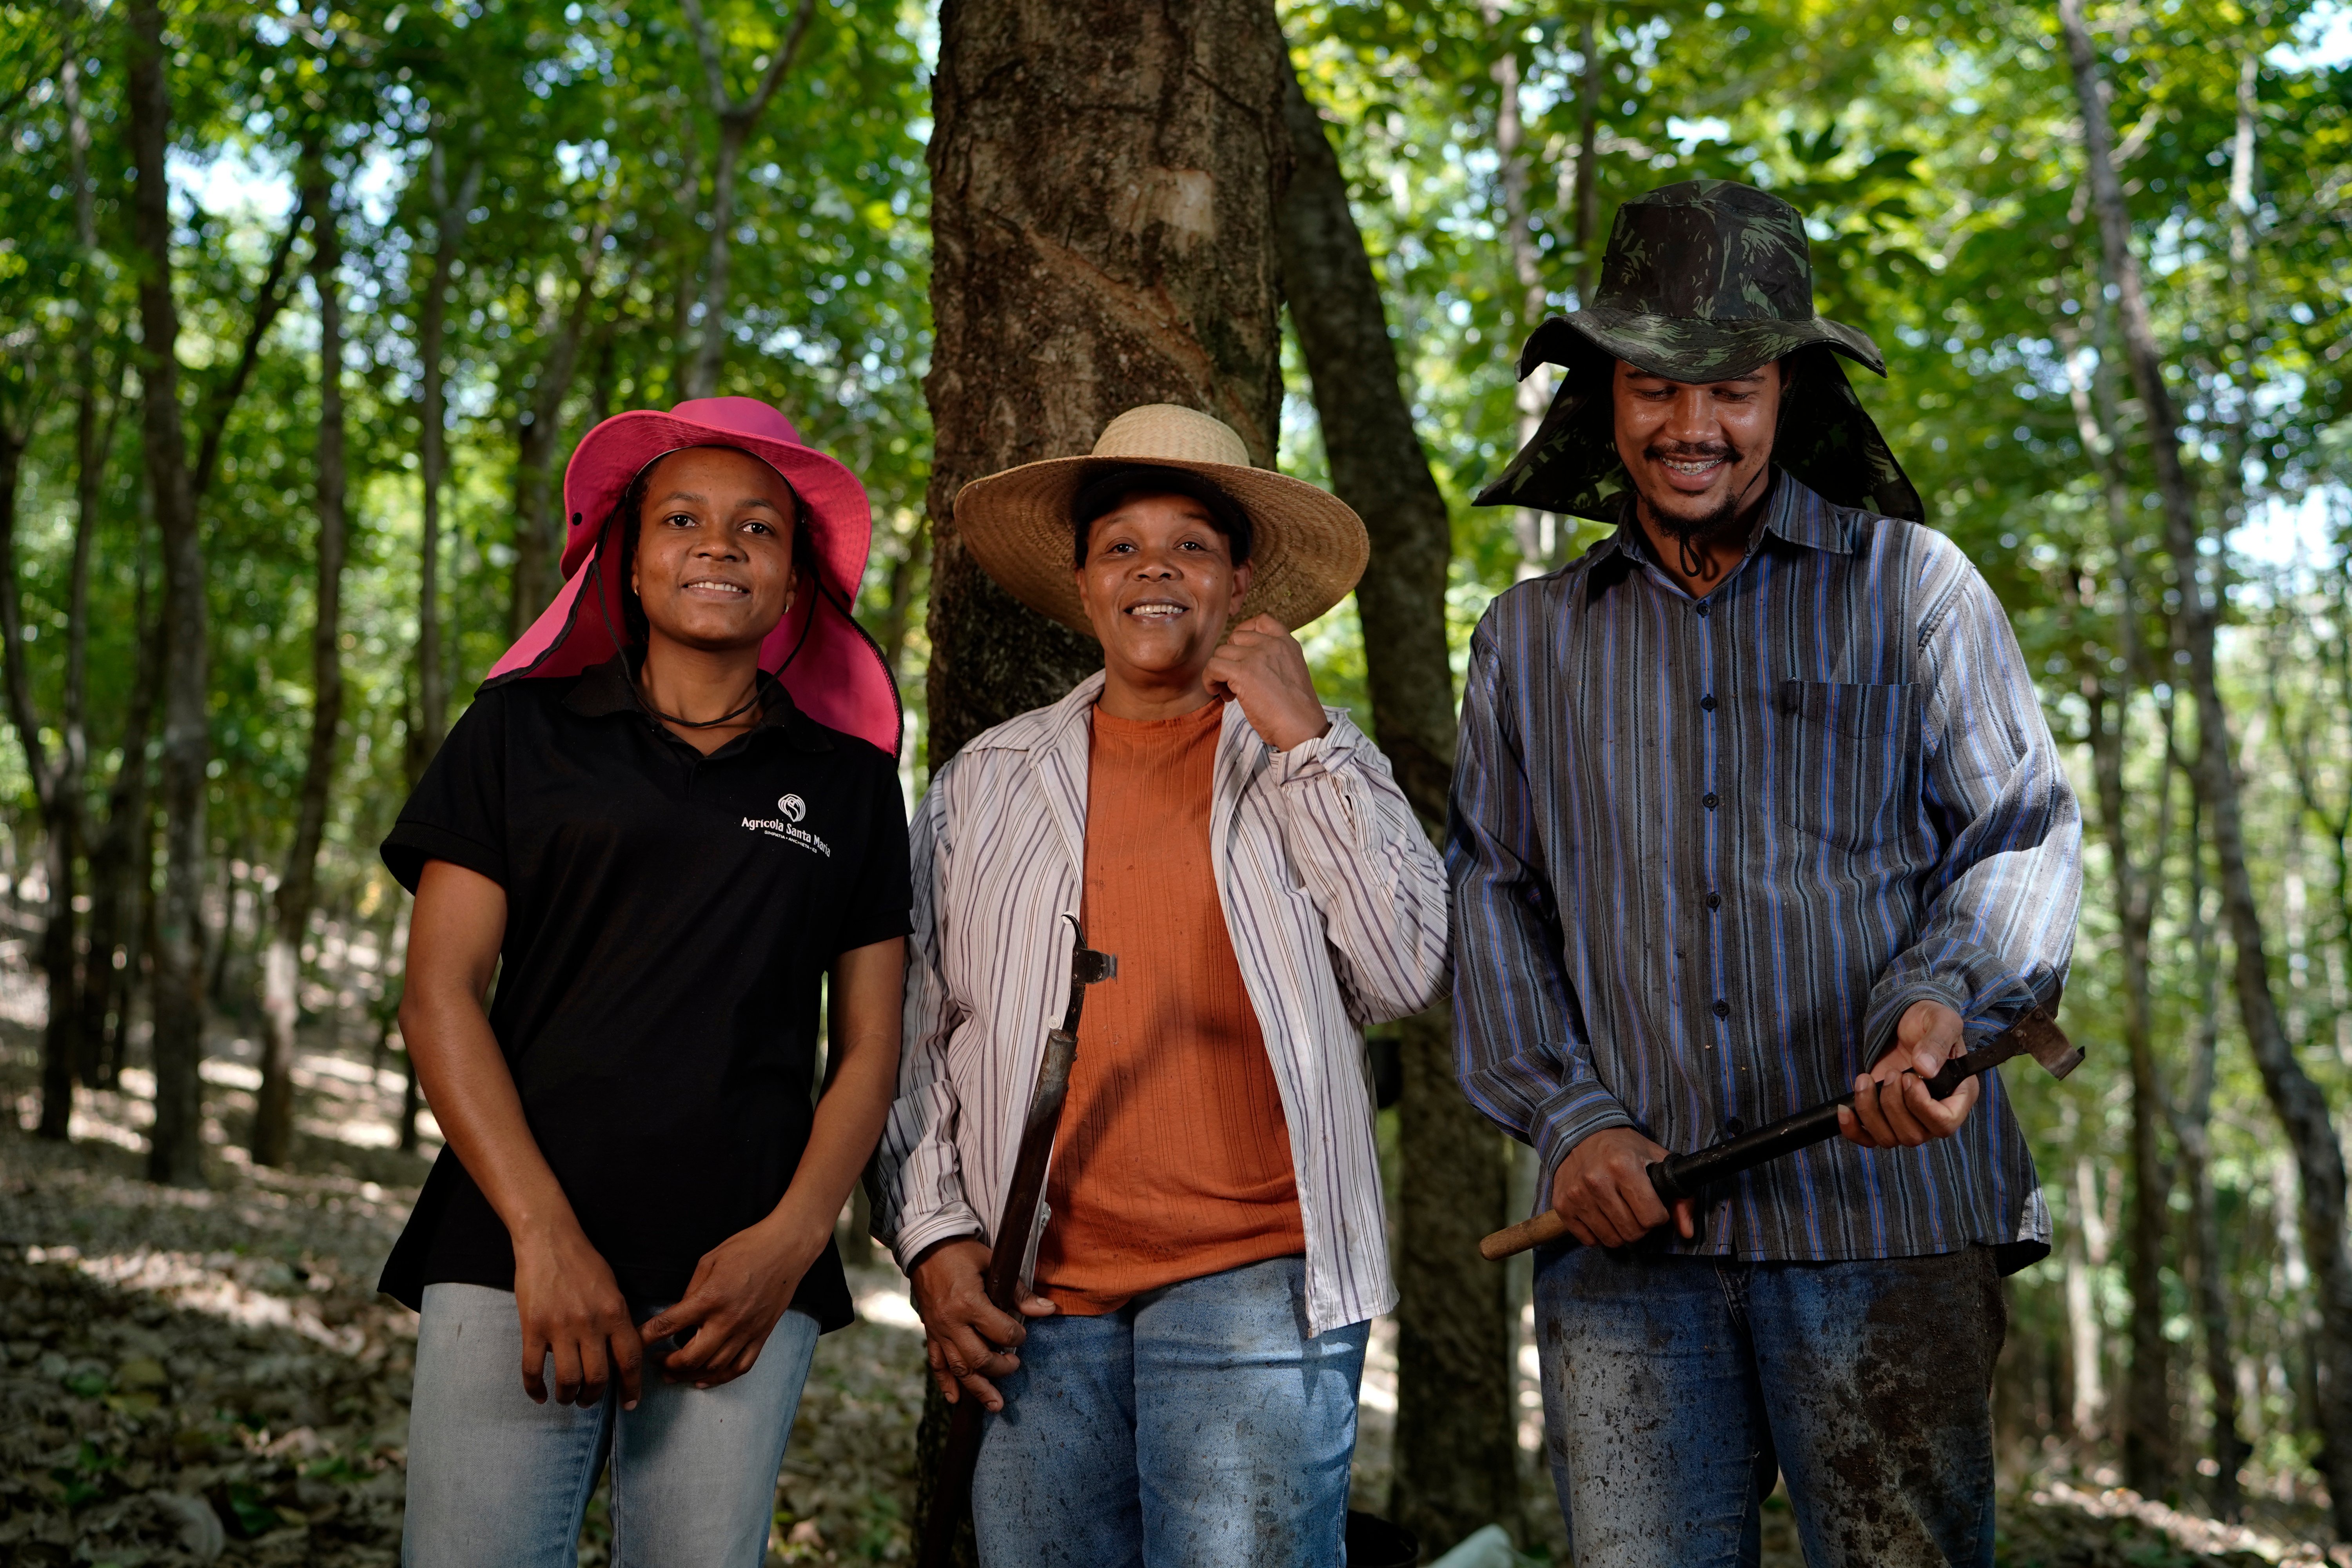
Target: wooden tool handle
<point x="1546" y="1227"/>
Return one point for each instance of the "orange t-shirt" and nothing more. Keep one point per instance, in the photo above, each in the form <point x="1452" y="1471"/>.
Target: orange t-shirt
<point x="1173" y="1160"/>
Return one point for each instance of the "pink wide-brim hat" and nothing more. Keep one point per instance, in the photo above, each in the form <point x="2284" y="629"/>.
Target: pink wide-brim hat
<point x="833" y="671"/>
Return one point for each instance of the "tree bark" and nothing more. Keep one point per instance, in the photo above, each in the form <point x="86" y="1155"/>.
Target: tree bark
<point x="1456" y="1452"/>
<point x="432" y="456"/>
<point x="735" y="123"/>
<point x="1105" y="178"/>
<point x="1104" y="185"/>
<point x="2301" y="1106"/>
<point x="273" y="1118"/>
<point x="176" y="1152"/>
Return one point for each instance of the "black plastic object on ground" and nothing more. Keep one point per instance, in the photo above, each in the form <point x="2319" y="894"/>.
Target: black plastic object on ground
<point x="1374" y="1542"/>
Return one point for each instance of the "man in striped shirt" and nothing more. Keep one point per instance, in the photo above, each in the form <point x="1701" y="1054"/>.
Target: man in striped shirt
<point x="1756" y="804"/>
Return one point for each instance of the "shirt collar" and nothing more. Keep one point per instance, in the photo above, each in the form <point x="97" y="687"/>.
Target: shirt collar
<point x="611" y="688"/>
<point x="1792" y="514"/>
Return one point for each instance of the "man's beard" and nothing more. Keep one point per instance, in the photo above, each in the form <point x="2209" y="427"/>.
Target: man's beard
<point x="1721" y="525"/>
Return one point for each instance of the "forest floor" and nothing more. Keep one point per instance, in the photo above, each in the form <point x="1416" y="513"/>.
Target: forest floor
<point x="210" y="1376"/>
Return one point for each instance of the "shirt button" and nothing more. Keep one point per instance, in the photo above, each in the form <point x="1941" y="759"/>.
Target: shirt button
<point x="1723" y="1009"/>
<point x="1702" y="606"/>
<point x="1733" y="1127"/>
<point x="1707" y="704"/>
<point x="1708" y="801"/>
<point x="1715" y="901"/>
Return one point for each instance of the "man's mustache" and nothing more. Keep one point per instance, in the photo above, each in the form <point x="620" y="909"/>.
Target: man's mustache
<point x="1692" y="451"/>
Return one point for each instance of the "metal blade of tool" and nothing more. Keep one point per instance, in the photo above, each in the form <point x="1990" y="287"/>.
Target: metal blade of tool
<point x="1009" y="1250"/>
<point x="2036" y="1034"/>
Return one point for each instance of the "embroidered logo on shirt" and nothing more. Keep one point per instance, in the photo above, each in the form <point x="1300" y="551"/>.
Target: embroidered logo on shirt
<point x="787" y="827"/>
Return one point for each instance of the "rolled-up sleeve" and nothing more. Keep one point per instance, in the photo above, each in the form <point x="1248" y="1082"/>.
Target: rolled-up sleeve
<point x="1370" y="869"/>
<point x="1518" y="1038"/>
<point x="1999" y="930"/>
<point x="918" y="1190"/>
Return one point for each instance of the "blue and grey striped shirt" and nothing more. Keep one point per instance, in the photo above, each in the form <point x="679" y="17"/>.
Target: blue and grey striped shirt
<point x="1705" y="852"/>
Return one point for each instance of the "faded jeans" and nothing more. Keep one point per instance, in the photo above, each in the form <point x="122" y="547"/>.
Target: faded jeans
<point x="1675" y="1389"/>
<point x="495" y="1481"/>
<point x="1198" y="1426"/>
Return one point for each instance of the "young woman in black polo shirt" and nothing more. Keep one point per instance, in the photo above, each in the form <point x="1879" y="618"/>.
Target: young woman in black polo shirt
<point x="640" y="829"/>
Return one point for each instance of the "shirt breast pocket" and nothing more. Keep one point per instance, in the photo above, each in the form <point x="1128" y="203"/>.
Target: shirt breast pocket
<point x="1849" y="766"/>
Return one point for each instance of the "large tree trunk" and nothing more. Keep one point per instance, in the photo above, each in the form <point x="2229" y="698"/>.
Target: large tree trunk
<point x="735" y="122"/>
<point x="175" y="1155"/>
<point x="2302" y="1108"/>
<point x="273" y="1118"/>
<point x="1104" y="183"/>
<point x="450" y="209"/>
<point x="1457" y="1458"/>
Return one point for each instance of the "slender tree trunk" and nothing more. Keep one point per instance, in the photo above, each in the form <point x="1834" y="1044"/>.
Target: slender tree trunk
<point x="2147" y="1428"/>
<point x="2193" y="1129"/>
<point x="2301" y="1106"/>
<point x="1532" y="529"/>
<point x="273" y="1119"/>
<point x="906" y="574"/>
<point x="92" y="439"/>
<point x="119" y="865"/>
<point x="1456" y="1454"/>
<point x="1105" y="178"/>
<point x="538" y="435"/>
<point x="735" y="123"/>
<point x="432" y="459"/>
<point x="1588" y="170"/>
<point x="175" y="1153"/>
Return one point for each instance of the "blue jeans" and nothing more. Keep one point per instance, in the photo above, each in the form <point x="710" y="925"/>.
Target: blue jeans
<point x="1677" y="1388"/>
<point x="494" y="1482"/>
<point x="1198" y="1424"/>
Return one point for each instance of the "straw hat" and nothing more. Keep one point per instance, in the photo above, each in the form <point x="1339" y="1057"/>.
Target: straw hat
<point x="1309" y="547"/>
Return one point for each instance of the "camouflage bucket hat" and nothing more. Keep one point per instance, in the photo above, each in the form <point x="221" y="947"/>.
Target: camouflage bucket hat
<point x="1704" y="280"/>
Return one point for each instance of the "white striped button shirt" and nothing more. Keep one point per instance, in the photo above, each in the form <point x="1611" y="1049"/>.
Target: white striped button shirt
<point x="1705" y="852"/>
<point x="1336" y="903"/>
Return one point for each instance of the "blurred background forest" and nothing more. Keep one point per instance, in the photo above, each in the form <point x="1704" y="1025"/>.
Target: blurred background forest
<point x="303" y="306"/>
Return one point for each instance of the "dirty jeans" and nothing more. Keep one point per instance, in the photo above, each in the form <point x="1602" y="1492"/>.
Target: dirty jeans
<point x="1198" y="1426"/>
<point x="1676" y="1388"/>
<point x="494" y="1482"/>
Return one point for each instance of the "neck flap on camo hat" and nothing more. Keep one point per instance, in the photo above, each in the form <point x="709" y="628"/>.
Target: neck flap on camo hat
<point x="833" y="671"/>
<point x="1701" y="281"/>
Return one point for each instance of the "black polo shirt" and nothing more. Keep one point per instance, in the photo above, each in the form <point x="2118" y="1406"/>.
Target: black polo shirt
<point x="668" y="918"/>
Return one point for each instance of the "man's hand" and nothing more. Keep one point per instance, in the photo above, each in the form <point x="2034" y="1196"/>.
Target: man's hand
<point x="1891" y="1103"/>
<point x="740" y="1290"/>
<point x="1262" y="666"/>
<point x="965" y="1338"/>
<point x="573" y="1311"/>
<point x="1603" y="1189"/>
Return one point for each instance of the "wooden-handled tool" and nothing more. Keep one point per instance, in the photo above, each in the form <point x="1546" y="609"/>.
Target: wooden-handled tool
<point x="1010" y="1247"/>
<point x="2036" y="1034"/>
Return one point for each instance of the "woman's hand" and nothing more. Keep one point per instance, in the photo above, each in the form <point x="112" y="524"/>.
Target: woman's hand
<point x="573" y="1310"/>
<point x="732" y="1305"/>
<point x="1262" y="666"/>
<point x="964" y="1335"/>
